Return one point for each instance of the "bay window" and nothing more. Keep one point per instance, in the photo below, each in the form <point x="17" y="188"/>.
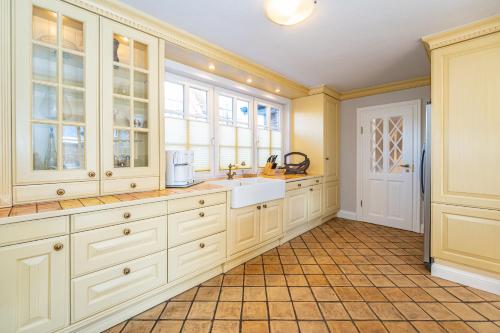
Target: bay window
<point x="235" y="135"/>
<point x="187" y="120"/>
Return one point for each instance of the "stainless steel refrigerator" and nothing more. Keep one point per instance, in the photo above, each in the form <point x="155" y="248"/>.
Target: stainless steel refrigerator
<point x="425" y="186"/>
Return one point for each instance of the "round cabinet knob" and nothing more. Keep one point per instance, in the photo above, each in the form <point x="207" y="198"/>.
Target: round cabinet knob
<point x="58" y="246"/>
<point x="133" y="185"/>
<point x="202" y="214"/>
<point x="317" y="181"/>
<point x="258" y="207"/>
<point x="91" y="174"/>
<point x="60" y="192"/>
<point x="265" y="206"/>
<point x="202" y="245"/>
<point x="327" y="158"/>
<point x="126" y="271"/>
<point x="311" y="189"/>
<point x="202" y="202"/>
<point x="299" y="185"/>
<point x="109" y="173"/>
<point x="127" y="231"/>
<point x="126" y="215"/>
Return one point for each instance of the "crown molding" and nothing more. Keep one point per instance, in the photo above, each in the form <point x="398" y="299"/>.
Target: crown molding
<point x="469" y="31"/>
<point x="130" y="16"/>
<point x="323" y="89"/>
<point x="386" y="88"/>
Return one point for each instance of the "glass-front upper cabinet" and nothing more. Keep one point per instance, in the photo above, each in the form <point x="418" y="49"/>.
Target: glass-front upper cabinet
<point x="56" y="93"/>
<point x="130" y="125"/>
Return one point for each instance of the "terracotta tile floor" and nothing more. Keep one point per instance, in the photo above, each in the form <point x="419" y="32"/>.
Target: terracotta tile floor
<point x="342" y="276"/>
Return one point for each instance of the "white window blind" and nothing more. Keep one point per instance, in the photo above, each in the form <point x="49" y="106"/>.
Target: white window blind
<point x="268" y="132"/>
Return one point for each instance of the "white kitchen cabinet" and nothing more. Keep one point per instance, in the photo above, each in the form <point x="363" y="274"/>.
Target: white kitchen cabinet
<point x="56" y="97"/>
<point x="129" y="114"/>
<point x="34" y="286"/>
<point x="296" y="211"/>
<point x="331" y="198"/>
<point x="331" y="134"/>
<point x="315" y="202"/>
<point x="244" y="228"/>
<point x="271" y="220"/>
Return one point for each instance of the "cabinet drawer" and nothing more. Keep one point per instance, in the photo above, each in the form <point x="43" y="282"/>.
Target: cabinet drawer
<point x="194" y="224"/>
<point x="33" y="230"/>
<point x="101" y="290"/>
<point x="92" y="220"/>
<point x="50" y="192"/>
<point x="302" y="183"/>
<point x="197" y="256"/>
<point x="180" y="205"/>
<point x="129" y="185"/>
<point x="101" y="248"/>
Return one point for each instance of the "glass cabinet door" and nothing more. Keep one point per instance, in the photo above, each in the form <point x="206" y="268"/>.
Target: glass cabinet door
<point x="130" y="107"/>
<point x="56" y="92"/>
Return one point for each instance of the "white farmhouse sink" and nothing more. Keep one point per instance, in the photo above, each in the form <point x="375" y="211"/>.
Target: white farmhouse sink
<point x="251" y="191"/>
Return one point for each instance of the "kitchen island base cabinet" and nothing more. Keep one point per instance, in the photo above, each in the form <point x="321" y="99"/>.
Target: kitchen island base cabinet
<point x="34" y="286"/>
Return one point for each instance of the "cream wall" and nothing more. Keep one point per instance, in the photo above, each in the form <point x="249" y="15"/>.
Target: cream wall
<point x="348" y="137"/>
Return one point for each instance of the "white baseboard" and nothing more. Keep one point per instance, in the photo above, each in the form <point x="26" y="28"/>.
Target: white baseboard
<point x="470" y="279"/>
<point x="345" y="214"/>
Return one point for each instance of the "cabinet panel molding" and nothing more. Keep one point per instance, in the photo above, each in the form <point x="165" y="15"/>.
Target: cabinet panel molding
<point x="467" y="236"/>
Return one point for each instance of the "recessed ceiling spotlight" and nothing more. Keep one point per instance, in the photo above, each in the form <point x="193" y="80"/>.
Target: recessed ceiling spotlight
<point x="289" y="12"/>
<point x="277" y="90"/>
<point x="249" y="80"/>
<point x="211" y="67"/>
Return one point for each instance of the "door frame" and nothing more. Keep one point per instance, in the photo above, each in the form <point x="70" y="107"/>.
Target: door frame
<point x="417" y="144"/>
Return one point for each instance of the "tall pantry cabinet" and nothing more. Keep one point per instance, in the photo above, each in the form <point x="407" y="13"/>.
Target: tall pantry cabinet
<point x="315" y="132"/>
<point x="465" y="147"/>
<point x="85" y="113"/>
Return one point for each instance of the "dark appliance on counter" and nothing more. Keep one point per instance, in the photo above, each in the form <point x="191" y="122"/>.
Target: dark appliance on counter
<point x="296" y="168"/>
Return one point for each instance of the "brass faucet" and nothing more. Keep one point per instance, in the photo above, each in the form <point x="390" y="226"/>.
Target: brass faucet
<point x="231" y="174"/>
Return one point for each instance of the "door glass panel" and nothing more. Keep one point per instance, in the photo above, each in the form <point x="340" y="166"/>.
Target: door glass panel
<point x="44" y="145"/>
<point x="140" y="55"/>
<point x="174" y="100"/>
<point x="395" y="144"/>
<point x="44" y="63"/>
<point x="227" y="155"/>
<point x="121" y="80"/>
<point x="140" y="85"/>
<point x="201" y="158"/>
<point x="121" y="148"/>
<point x="121" y="112"/>
<point x="44" y="105"/>
<point x="121" y="49"/>
<point x="72" y="70"/>
<point x="44" y="25"/>
<point x="275" y="119"/>
<point x="377" y="145"/>
<point x="73" y="146"/>
<point x="275" y="139"/>
<point x="262" y="156"/>
<point x="140" y="114"/>
<point x="245" y="155"/>
<point x="141" y="149"/>
<point x="72" y="33"/>
<point x="73" y="105"/>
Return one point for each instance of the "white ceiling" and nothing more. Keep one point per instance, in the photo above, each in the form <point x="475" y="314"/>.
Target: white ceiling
<point x="346" y="44"/>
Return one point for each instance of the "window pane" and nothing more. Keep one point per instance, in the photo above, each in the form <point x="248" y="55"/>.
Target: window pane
<point x="175" y="132"/>
<point x="199" y="133"/>
<point x="140" y="85"/>
<point x="140" y="149"/>
<point x="140" y="55"/>
<point x="201" y="158"/>
<point x="174" y="99"/>
<point x="263" y="155"/>
<point x="73" y="105"/>
<point x="243" y="112"/>
<point x="121" y="112"/>
<point x="244" y="137"/>
<point x="121" y="148"/>
<point x="140" y="114"/>
<point x="262" y="116"/>
<point x="227" y="155"/>
<point x="264" y="139"/>
<point x="245" y="155"/>
<point x="225" y="110"/>
<point x="44" y="25"/>
<point x="72" y="32"/>
<point x="277" y="152"/>
<point x="227" y="136"/>
<point x="198" y="103"/>
<point x="44" y="102"/>
<point x="276" y="139"/>
<point x="121" y="81"/>
<point x="275" y="119"/>
<point x="72" y="69"/>
<point x="44" y="63"/>
<point x="121" y="49"/>
<point x="73" y="141"/>
<point x="44" y="147"/>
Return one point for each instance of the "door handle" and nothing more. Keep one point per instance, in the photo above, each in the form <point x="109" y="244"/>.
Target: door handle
<point x="404" y="165"/>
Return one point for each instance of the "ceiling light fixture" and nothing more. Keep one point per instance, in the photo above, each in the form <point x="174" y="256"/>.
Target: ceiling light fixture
<point x="277" y="90"/>
<point x="289" y="12"/>
<point x="249" y="80"/>
<point x="211" y="67"/>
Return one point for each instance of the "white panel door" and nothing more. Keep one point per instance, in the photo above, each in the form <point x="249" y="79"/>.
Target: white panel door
<point x="387" y="164"/>
<point x="34" y="286"/>
<point x="271" y="220"/>
<point x="243" y="229"/>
